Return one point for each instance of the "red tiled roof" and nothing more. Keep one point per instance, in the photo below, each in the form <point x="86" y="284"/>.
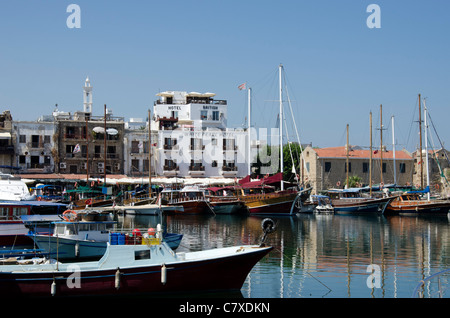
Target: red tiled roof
<point x="341" y="152"/>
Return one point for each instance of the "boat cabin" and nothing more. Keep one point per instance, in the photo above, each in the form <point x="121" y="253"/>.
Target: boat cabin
<point x="98" y="231"/>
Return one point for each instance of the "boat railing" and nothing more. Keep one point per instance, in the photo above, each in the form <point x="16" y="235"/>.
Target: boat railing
<point x="134" y="237"/>
<point x="187" y="199"/>
<point x="434" y="286"/>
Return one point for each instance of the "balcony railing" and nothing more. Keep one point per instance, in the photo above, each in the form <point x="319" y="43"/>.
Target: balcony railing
<point x="196" y="168"/>
<point x="171" y="168"/>
<point x="227" y="168"/>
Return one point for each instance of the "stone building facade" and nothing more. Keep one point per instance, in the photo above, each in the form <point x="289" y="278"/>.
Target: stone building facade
<point x="325" y="168"/>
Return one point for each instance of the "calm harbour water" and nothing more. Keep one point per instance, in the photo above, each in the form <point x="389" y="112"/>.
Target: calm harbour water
<point x="326" y="256"/>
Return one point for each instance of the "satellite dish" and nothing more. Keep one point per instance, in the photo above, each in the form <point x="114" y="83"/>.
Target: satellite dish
<point x="112" y="131"/>
<point x="99" y="130"/>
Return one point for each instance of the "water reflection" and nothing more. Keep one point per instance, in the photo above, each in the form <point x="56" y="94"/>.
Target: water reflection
<point x="325" y="255"/>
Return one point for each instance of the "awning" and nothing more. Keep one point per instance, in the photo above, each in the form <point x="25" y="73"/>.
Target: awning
<point x="5" y="135"/>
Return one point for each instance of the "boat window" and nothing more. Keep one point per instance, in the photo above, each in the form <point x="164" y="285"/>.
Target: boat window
<point x="145" y="254"/>
<point x="71" y="229"/>
<point x="20" y="211"/>
<point x="59" y="229"/>
<point x="4" y="212"/>
<point x="83" y="227"/>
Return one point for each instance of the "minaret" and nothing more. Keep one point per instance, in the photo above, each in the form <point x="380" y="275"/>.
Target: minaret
<point x="87" y="96"/>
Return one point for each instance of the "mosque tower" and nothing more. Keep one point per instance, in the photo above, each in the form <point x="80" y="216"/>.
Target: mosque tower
<point x="87" y="96"/>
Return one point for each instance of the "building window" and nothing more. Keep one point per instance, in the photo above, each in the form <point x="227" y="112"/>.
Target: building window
<point x="327" y="166"/>
<point x="46" y="139"/>
<point x="214" y="141"/>
<point x="402" y="167"/>
<point x="365" y="167"/>
<point x="214" y="163"/>
<point x="22" y="159"/>
<point x="203" y="114"/>
<point x="135" y="146"/>
<point x="349" y="167"/>
<point x="35" y="141"/>
<point x="135" y="165"/>
<point x="215" y="115"/>
<point x="384" y="167"/>
<point x="22" y="139"/>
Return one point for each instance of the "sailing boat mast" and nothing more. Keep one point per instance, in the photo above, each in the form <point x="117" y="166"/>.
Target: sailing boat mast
<point x="281" y="126"/>
<point x="370" y="160"/>
<point x="249" y="131"/>
<point x="420" y="145"/>
<point x="393" y="150"/>
<point x="426" y="148"/>
<point x="381" y="145"/>
<point x="149" y="157"/>
<point x="347" y="163"/>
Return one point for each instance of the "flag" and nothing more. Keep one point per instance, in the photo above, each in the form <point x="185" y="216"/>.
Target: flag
<point x="76" y="149"/>
<point x="242" y="86"/>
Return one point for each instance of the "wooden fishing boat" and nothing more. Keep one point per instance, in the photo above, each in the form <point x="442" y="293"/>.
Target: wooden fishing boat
<point x="150" y="268"/>
<point x="352" y="201"/>
<point x="224" y="200"/>
<point x="411" y="203"/>
<point x="269" y="202"/>
<point x="190" y="198"/>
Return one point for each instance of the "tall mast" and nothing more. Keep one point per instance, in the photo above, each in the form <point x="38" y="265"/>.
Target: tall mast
<point x="104" y="146"/>
<point x="149" y="157"/>
<point x="393" y="150"/>
<point x="249" y="131"/>
<point x="420" y="145"/>
<point x="370" y="160"/>
<point x="346" y="163"/>
<point x="281" y="126"/>
<point x="426" y="147"/>
<point x="381" y="145"/>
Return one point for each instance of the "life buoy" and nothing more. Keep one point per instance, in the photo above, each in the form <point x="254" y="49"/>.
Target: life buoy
<point x="338" y="183"/>
<point x="69" y="215"/>
<point x="88" y="201"/>
<point x="437" y="186"/>
<point x="39" y="198"/>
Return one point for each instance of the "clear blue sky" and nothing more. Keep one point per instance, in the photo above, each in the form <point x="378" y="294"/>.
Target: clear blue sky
<point x="338" y="69"/>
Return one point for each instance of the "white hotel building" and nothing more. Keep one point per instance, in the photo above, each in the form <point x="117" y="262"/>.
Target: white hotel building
<point x="193" y="138"/>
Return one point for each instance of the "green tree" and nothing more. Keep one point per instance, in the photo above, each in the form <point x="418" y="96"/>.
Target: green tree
<point x="353" y="181"/>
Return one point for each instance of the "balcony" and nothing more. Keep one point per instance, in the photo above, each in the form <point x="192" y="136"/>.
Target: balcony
<point x="197" y="147"/>
<point x="197" y="170"/>
<point x="228" y="171"/>
<point x="171" y="170"/>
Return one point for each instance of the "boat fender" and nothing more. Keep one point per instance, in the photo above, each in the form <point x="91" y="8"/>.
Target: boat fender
<point x="77" y="249"/>
<point x="163" y="274"/>
<point x="53" y="288"/>
<point x="117" y="279"/>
